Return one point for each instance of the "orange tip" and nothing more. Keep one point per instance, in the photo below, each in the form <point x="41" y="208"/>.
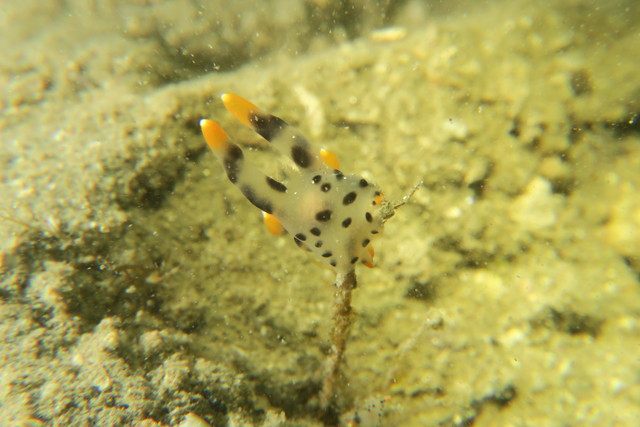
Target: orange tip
<point x="272" y="224"/>
<point x="371" y="253"/>
<point x="330" y="159"/>
<point x="242" y="109"/>
<point x="215" y="136"/>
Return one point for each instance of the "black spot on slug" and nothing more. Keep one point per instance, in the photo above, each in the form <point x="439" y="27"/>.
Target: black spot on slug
<point x="375" y="195"/>
<point x="349" y="198"/>
<point x="333" y="263"/>
<point x="365" y="242"/>
<point x="363" y="183"/>
<point x="301" y="236"/>
<point x="368" y="217"/>
<point x="275" y="185"/>
<point x="319" y="244"/>
<point x="326" y="254"/>
<point x="325" y="187"/>
<point x="232" y="161"/>
<point x="262" y="204"/>
<point x="346" y="223"/>
<point x="300" y="156"/>
<point x="323" y="216"/>
<point x="315" y="231"/>
<point x="316" y="179"/>
<point x="234" y="153"/>
<point x="354" y="260"/>
<point x="339" y="175"/>
<point x="267" y="126"/>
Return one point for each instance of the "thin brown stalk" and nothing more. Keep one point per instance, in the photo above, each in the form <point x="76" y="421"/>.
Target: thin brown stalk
<point x="345" y="284"/>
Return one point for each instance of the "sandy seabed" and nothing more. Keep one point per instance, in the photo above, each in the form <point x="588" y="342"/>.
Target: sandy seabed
<point x="138" y="286"/>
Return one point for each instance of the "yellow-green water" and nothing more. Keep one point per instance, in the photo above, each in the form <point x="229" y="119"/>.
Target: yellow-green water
<point x="139" y="286"/>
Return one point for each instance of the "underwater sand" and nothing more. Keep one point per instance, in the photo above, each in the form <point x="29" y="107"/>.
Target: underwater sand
<point x="138" y="286"/>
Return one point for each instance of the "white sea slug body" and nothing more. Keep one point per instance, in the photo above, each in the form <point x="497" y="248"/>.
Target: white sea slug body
<point x="331" y="214"/>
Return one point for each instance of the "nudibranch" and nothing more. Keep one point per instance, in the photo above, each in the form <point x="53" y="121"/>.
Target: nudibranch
<point x="333" y="215"/>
